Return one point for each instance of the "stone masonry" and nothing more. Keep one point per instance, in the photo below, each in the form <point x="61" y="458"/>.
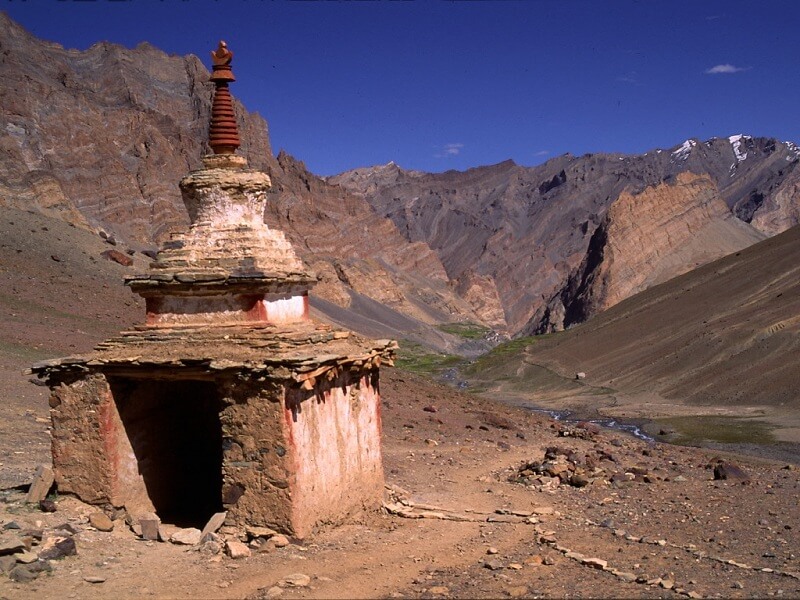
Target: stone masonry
<point x="229" y="397"/>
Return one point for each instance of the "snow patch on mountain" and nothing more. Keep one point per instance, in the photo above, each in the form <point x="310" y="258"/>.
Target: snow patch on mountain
<point x="792" y="147"/>
<point x="736" y="143"/>
<point x="682" y="153"/>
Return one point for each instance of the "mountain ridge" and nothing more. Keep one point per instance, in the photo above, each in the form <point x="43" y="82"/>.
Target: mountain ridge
<point x="100" y="137"/>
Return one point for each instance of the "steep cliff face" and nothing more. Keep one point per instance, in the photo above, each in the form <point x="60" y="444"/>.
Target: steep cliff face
<point x="100" y="137"/>
<point x="646" y="239"/>
<point x="727" y="333"/>
<point x="535" y="238"/>
<point x="355" y="249"/>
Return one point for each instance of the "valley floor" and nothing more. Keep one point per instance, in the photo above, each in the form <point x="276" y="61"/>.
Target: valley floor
<point x="650" y="521"/>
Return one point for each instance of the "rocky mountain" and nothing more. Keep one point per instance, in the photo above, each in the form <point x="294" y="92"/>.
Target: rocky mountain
<point x="100" y="138"/>
<point x="537" y="249"/>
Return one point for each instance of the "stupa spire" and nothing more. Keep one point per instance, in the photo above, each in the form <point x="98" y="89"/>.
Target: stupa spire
<point x="223" y="136"/>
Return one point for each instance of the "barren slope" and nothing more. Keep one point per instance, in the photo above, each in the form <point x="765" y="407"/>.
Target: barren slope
<point x="722" y="339"/>
<point x="515" y="239"/>
<point x="100" y="138"/>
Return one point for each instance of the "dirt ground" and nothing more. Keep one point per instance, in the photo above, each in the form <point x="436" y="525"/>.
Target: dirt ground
<point x="464" y="519"/>
<point x="671" y="531"/>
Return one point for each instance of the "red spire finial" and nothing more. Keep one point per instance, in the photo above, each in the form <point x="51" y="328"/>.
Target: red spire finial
<point x="223" y="136"/>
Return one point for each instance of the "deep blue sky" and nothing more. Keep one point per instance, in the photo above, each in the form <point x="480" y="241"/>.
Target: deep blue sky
<point x="449" y="85"/>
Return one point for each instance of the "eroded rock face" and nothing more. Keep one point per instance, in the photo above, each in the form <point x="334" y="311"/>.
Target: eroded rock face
<point x="530" y="233"/>
<point x="101" y="137"/>
<point x="646" y="239"/>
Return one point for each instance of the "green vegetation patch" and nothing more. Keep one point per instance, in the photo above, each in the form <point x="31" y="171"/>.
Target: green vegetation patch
<point x="696" y="430"/>
<point x="501" y="355"/>
<point x="418" y="359"/>
<point x="466" y="330"/>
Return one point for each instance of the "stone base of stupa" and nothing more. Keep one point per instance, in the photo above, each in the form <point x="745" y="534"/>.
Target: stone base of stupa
<point x="277" y="425"/>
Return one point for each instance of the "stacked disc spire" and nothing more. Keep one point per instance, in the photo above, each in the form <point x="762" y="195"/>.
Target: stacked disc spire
<point x="223" y="136"/>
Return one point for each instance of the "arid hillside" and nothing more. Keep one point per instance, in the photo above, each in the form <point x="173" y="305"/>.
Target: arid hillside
<point x="721" y="340"/>
<point x="525" y="244"/>
<point x="100" y="138"/>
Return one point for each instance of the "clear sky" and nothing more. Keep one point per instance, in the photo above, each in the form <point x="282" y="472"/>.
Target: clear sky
<point x="452" y="85"/>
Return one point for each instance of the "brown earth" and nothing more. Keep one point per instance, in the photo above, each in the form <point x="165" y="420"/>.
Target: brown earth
<point x="719" y="343"/>
<point x="666" y="532"/>
<point x="452" y="453"/>
<point x="100" y="138"/>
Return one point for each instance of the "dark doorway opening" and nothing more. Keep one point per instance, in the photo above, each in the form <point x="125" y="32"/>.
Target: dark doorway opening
<point x="176" y="436"/>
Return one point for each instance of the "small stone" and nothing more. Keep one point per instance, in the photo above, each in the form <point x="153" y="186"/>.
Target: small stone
<point x="66" y="529"/>
<point x="517" y="591"/>
<point x="42" y="482"/>
<point x="101" y="522"/>
<point x="40" y="566"/>
<point x="117" y="257"/>
<point x="595" y="563"/>
<point x="26" y="558"/>
<point x="273" y="592"/>
<point x="94" y="579"/>
<point x="188" y="537"/>
<point x="694" y="595"/>
<point x="430" y="409"/>
<point x="440" y="590"/>
<point x="738" y="585"/>
<point x="667" y="584"/>
<point x="210" y="547"/>
<point x="47" y="506"/>
<point x="493" y="564"/>
<point x="65" y="547"/>
<point x="260" y="532"/>
<point x="7" y="563"/>
<point x="579" y="480"/>
<point x="575" y="556"/>
<point x="723" y="471"/>
<point x="295" y="580"/>
<point x="626" y="577"/>
<point x="149" y="523"/>
<point x="515" y="566"/>
<point x="10" y="543"/>
<point x="279" y="541"/>
<point x="165" y="531"/>
<point x="534" y="561"/>
<point x="210" y="537"/>
<point x="22" y="574"/>
<point x="237" y="550"/>
<point x="491" y="550"/>
<point x="544" y="510"/>
<point x="214" y="523"/>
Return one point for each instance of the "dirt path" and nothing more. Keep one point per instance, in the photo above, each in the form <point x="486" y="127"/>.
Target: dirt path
<point x="677" y="530"/>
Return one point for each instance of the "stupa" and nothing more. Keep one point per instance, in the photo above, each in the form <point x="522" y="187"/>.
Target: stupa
<point x="229" y="397"/>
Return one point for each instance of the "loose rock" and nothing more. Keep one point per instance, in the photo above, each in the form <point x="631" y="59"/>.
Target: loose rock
<point x="101" y="522"/>
<point x="188" y="537"/>
<point x="295" y="580"/>
<point x="237" y="550"/>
